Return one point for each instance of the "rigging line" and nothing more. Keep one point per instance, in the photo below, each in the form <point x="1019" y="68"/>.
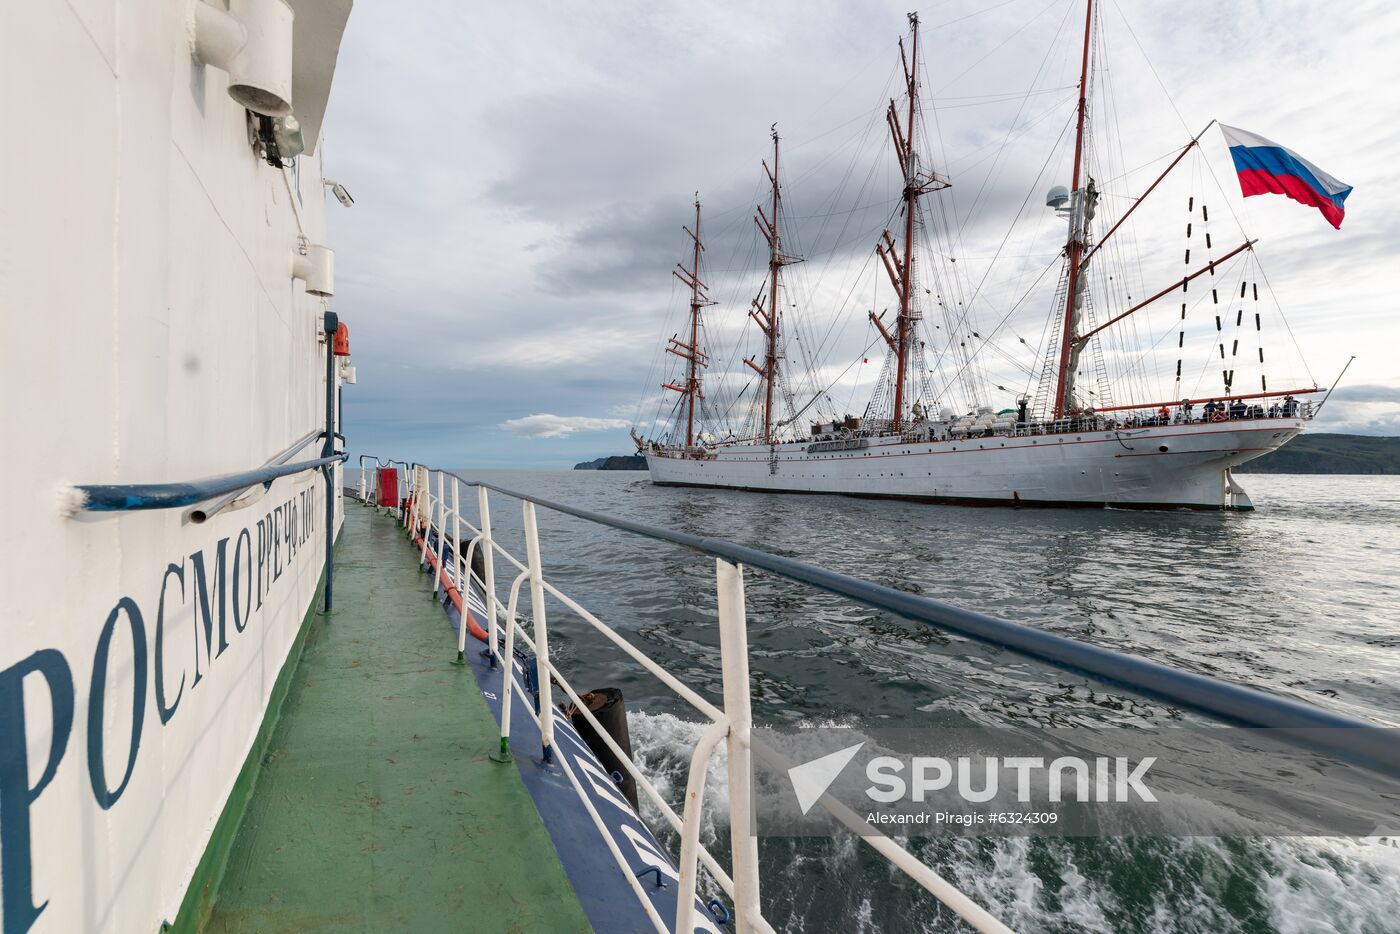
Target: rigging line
<point x="731" y="306"/>
<point x="1160" y="83"/>
<point x="1008" y="100"/>
<point x="1034" y="186"/>
<point x="880" y="55"/>
<point x="854" y="210"/>
<point x="946" y="232"/>
<point x="1296" y="346"/>
<point x="995" y="6"/>
<point x="864" y="114"/>
<point x="1052" y="264"/>
<point x="961" y="166"/>
<point x="850" y="168"/>
<point x="832" y="384"/>
<point x="1003" y="97"/>
<point x="1129" y="339"/>
<point x="840" y="316"/>
<point x="991" y="172"/>
<point x="1229" y="204"/>
<point x="1200" y="300"/>
<point x="654" y="365"/>
<point x="993" y="49"/>
<point x="1133" y="171"/>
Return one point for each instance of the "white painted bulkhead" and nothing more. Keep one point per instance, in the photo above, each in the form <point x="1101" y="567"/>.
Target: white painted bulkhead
<point x="1169" y="465"/>
<point x="151" y="331"/>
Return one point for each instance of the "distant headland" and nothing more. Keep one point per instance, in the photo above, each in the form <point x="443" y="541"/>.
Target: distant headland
<point x="1330" y="454"/>
<point x="624" y="462"/>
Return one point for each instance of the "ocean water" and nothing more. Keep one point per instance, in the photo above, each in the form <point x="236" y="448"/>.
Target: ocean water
<point x="1297" y="598"/>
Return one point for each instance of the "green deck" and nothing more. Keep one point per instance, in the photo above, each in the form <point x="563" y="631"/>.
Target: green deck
<point x="377" y="807"/>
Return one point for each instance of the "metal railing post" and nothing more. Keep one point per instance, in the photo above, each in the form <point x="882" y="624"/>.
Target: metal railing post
<point x="401" y="497"/>
<point x="690" y="824"/>
<point x="489" y="566"/>
<point x="532" y="550"/>
<point x="423" y="509"/>
<point x="734" y="662"/>
<point x="457" y="547"/>
<point x="330" y="323"/>
<point x="508" y="670"/>
<point x="442" y="536"/>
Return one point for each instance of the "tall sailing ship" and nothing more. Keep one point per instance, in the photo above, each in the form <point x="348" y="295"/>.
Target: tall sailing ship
<point x="1066" y="441"/>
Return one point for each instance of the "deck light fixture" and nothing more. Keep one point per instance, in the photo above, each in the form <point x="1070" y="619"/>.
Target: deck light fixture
<point x="341" y="193"/>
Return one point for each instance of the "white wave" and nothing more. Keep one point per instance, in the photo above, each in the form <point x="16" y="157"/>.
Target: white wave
<point x="662" y="746"/>
<point x="1328" y="884"/>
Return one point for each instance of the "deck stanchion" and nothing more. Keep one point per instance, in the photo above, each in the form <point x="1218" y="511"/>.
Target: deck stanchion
<point x="400" y="512"/>
<point x="464" y="591"/>
<point x="508" y="670"/>
<point x="457" y="549"/>
<point x="330" y="323"/>
<point x="532" y="550"/>
<point x="442" y="536"/>
<point x="734" y="667"/>
<point x="690" y="824"/>
<point x="489" y="566"/>
<point x="423" y="512"/>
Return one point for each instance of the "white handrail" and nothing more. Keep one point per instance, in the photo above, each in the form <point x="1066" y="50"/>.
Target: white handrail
<point x="732" y="723"/>
<point x="508" y="664"/>
<point x="643" y="782"/>
<point x="664" y="676"/>
<point x="734" y="664"/>
<point x="690" y="823"/>
<point x="488" y="566"/>
<point x="537" y="611"/>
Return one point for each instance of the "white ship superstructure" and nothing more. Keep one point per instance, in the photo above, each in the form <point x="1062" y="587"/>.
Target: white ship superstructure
<point x="1066" y="439"/>
<point x="166" y="289"/>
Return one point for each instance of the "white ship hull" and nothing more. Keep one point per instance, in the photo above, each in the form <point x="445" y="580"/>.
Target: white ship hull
<point x="1167" y="466"/>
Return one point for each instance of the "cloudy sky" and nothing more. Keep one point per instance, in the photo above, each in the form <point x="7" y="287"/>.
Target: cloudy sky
<point x="522" y="171"/>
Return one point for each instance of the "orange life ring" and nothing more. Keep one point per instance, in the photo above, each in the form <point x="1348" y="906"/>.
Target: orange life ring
<point x="1217" y="416"/>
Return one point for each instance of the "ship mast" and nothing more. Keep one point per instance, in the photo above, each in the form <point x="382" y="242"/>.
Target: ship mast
<point x="911" y="200"/>
<point x="768" y="318"/>
<point x="1081" y="211"/>
<point x="901" y="268"/>
<point x="690" y="352"/>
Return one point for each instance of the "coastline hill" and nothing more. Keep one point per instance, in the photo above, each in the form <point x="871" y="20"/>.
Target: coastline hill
<point x="1331" y="454"/>
<point x="626" y="462"/>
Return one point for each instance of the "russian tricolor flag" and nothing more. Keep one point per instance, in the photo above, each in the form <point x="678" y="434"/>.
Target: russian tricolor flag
<point x="1265" y="167"/>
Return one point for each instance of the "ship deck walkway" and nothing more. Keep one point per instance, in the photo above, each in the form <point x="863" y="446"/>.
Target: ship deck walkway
<point x="377" y="807"/>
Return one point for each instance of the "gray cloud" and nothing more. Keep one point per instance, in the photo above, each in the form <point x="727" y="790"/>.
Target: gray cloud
<point x="557" y="426"/>
<point x="521" y="178"/>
